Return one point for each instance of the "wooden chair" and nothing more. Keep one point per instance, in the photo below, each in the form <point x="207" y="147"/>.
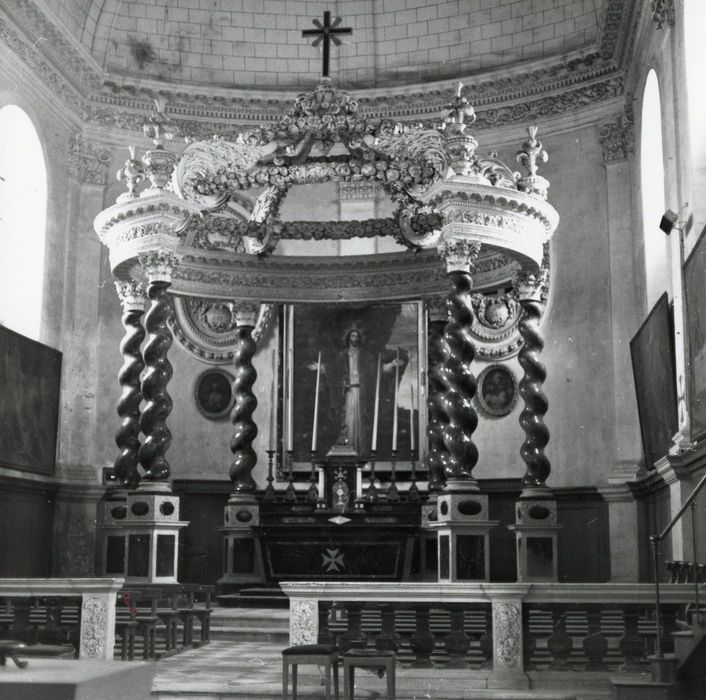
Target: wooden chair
<point x="203" y="615"/>
<point x="325" y="655"/>
<point x="384" y="661"/>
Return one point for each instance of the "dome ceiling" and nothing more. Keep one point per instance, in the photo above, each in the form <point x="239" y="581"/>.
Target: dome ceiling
<point x="259" y="43"/>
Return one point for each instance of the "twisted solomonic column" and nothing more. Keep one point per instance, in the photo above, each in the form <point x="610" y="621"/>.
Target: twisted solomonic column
<point x="132" y="299"/>
<point x="245" y="430"/>
<point x="437" y="457"/>
<point x="459" y="256"/>
<point x="158" y="265"/>
<point x="529" y="288"/>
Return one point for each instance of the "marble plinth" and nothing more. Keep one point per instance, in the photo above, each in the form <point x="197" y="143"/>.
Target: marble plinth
<point x="55" y="679"/>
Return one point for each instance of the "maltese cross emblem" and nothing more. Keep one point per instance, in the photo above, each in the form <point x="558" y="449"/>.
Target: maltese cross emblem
<point x="333" y="560"/>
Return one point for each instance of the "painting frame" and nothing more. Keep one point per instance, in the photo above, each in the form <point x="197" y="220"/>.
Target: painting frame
<point x="498" y="390"/>
<point x="694" y="275"/>
<point x="30" y="373"/>
<point x="653" y="362"/>
<point x="213" y="393"/>
<point x="392" y="331"/>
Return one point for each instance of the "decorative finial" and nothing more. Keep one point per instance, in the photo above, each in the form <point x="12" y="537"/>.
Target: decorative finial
<point x="459" y="110"/>
<point x="532" y="152"/>
<point x="157" y="126"/>
<point x="132" y="173"/>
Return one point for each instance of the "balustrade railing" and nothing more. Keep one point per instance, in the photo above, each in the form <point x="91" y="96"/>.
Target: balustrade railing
<point x="504" y="629"/>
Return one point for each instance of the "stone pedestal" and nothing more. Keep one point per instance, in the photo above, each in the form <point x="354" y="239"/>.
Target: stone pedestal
<point x="508" y="643"/>
<point x="141" y="535"/>
<point x="536" y="530"/>
<point x="462" y="528"/>
<point x="242" y="554"/>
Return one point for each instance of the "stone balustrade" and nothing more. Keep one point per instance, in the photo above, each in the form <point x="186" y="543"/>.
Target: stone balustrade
<point x="97" y="615"/>
<point x="509" y="631"/>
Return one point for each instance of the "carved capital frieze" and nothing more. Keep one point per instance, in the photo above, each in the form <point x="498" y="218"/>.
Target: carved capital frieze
<point x="531" y="286"/>
<point x="159" y="264"/>
<point x="132" y="295"/>
<point x="617" y="139"/>
<point x="87" y="163"/>
<point x="662" y="13"/>
<point x="245" y="313"/>
<point x="436" y="308"/>
<point x="459" y="253"/>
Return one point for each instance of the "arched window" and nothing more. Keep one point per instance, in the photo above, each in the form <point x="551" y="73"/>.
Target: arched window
<point x="23" y="205"/>
<point x="656" y="245"/>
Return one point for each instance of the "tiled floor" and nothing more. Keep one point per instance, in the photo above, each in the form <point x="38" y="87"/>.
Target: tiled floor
<point x="252" y="670"/>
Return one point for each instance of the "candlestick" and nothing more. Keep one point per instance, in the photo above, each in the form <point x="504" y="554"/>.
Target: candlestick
<point x="394" y="414"/>
<point x="290" y="378"/>
<point x="411" y="418"/>
<point x="316" y="405"/>
<point x="372" y="496"/>
<point x="290" y="493"/>
<point x="269" y="494"/>
<point x="374" y="445"/>
<point x="273" y="399"/>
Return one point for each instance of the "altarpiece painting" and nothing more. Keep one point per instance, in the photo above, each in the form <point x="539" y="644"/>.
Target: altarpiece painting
<point x="365" y="361"/>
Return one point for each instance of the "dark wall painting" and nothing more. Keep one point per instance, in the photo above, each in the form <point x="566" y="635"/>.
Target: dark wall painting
<point x="384" y="334"/>
<point x="652" y="352"/>
<point x="695" y="284"/>
<point x="30" y="377"/>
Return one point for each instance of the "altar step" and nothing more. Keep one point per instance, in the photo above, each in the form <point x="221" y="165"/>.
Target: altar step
<point x="254" y="597"/>
<point x="265" y="625"/>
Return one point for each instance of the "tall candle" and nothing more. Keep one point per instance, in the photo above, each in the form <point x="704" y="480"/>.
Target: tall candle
<point x="394" y="415"/>
<point x="273" y="400"/>
<point x="411" y="417"/>
<point x="374" y="444"/>
<point x="316" y="405"/>
<point x="290" y="377"/>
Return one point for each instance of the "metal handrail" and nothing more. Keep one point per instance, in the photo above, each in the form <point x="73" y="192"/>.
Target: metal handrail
<point x="654" y="544"/>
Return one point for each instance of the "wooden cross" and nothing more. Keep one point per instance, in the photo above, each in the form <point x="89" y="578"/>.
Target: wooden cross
<point x="327" y="32"/>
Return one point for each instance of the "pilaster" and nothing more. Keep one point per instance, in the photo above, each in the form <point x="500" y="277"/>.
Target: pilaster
<point x="623" y="530"/>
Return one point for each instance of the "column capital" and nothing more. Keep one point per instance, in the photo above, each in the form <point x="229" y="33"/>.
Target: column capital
<point x="159" y="264"/>
<point x="245" y="313"/>
<point x="662" y="13"/>
<point x="459" y="253"/>
<point x="132" y="295"/>
<point x="87" y="163"/>
<point x="531" y="285"/>
<point x="617" y="138"/>
<point x="436" y="308"/>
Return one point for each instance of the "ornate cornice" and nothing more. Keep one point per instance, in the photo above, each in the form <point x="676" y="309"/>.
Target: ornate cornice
<point x="617" y="138"/>
<point x="353" y="278"/>
<point x="86" y="162"/>
<point x="506" y="97"/>
<point x="662" y="13"/>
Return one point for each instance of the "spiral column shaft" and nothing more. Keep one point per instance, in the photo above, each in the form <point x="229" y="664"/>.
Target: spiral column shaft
<point x="127" y="437"/>
<point x="245" y="430"/>
<point x="438" y="455"/>
<point x="532" y="416"/>
<point x="154" y="384"/>
<point x="460" y="383"/>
